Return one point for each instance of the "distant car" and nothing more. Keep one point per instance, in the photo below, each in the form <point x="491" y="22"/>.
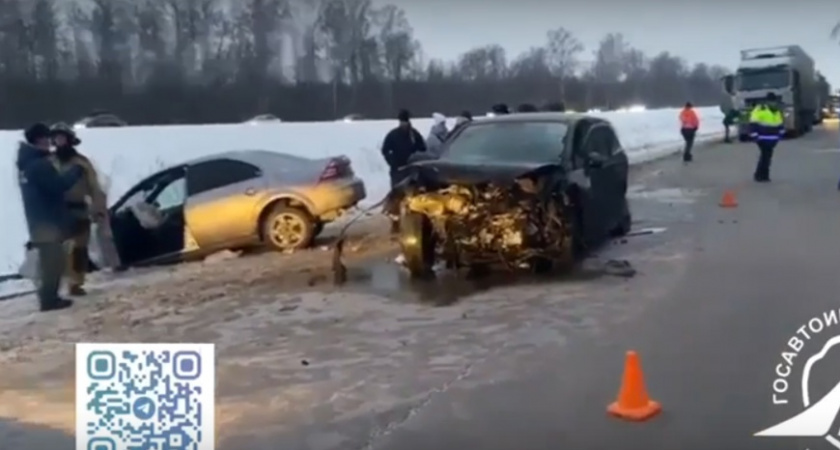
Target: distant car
<point x="521" y="189"/>
<point x="100" y="121"/>
<point x="263" y="118"/>
<point x="231" y="200"/>
<point x="352" y="118"/>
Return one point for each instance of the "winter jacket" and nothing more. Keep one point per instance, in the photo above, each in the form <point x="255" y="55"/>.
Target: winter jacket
<point x="437" y="135"/>
<point x="399" y="144"/>
<point x="42" y="190"/>
<point x="86" y="196"/>
<point x="689" y="119"/>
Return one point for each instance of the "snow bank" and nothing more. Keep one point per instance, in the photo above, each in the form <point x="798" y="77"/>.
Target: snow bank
<point x="127" y="155"/>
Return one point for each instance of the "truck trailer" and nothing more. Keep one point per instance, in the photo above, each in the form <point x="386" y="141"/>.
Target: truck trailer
<point x="786" y="71"/>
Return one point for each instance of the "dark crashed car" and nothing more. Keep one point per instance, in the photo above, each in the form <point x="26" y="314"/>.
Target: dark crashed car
<point x="528" y="190"/>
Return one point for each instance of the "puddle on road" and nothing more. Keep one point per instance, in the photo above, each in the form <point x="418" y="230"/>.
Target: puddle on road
<point x="389" y="279"/>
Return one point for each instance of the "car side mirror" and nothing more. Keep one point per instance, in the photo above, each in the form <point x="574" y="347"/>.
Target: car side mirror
<point x="595" y="160"/>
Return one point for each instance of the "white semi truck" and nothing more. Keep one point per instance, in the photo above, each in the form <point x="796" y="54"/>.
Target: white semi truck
<point x="786" y="71"/>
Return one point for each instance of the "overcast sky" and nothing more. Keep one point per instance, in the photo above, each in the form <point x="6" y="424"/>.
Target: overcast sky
<point x="709" y="31"/>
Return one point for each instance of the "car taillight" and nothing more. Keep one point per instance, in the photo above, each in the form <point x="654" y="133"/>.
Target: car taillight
<point x="337" y="168"/>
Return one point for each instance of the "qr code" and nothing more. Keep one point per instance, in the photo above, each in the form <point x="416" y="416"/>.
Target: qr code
<point x="145" y="396"/>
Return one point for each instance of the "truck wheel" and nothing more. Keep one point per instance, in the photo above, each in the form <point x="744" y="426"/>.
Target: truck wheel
<point x="417" y="241"/>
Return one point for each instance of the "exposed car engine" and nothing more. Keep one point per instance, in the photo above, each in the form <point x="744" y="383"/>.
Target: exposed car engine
<point x="486" y="223"/>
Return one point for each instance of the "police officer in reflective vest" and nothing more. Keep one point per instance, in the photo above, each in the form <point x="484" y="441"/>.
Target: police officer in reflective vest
<point x="767" y="128"/>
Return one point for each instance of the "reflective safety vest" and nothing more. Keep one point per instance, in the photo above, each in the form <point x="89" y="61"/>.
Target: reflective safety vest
<point x="766" y="124"/>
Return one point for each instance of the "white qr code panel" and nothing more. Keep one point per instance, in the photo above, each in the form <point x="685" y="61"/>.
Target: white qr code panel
<point x="145" y="396"/>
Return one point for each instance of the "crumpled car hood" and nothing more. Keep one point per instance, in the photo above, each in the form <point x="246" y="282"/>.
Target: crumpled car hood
<point x="442" y="171"/>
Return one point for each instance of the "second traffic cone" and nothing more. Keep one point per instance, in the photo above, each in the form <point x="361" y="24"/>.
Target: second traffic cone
<point x="633" y="402"/>
<point x="728" y="200"/>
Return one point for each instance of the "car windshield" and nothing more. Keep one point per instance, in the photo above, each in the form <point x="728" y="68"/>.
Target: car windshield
<point x="755" y="80"/>
<point x="507" y="142"/>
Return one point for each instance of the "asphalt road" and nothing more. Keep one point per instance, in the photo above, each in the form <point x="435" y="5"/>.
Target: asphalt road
<point x="709" y="339"/>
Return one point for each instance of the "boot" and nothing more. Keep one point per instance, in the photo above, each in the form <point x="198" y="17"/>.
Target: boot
<point x="56" y="305"/>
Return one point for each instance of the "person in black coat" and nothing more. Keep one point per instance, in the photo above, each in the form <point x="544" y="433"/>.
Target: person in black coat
<point x="500" y="109"/>
<point x="42" y="190"/>
<point x="399" y="144"/>
<point x="398" y="147"/>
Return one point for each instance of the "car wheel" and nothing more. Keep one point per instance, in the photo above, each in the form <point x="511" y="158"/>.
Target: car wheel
<point x="624" y="226"/>
<point x="288" y="229"/>
<point x="418" y="244"/>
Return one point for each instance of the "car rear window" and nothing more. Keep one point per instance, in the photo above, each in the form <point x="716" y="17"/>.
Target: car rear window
<point x="507" y="142"/>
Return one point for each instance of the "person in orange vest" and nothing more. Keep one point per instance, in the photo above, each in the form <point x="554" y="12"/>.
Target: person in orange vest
<point x="689" y="123"/>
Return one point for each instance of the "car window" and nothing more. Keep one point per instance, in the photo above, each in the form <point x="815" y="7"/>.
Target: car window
<point x="507" y="142"/>
<point x="209" y="175"/>
<point x="579" y="152"/>
<point x="598" y="141"/>
<point x="173" y="195"/>
<point x="611" y="140"/>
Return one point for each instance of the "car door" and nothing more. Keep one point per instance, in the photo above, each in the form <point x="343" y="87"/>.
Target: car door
<point x="222" y="202"/>
<point x="597" y="167"/>
<point x="617" y="169"/>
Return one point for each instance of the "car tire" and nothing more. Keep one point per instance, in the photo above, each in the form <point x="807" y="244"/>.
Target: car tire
<point x="287" y="229"/>
<point x="417" y="244"/>
<point x="626" y="223"/>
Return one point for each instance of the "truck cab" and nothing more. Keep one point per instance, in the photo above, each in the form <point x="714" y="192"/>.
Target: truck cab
<point x="788" y="72"/>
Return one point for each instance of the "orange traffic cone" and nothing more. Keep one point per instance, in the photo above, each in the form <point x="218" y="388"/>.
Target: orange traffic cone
<point x="633" y="402"/>
<point x="728" y="199"/>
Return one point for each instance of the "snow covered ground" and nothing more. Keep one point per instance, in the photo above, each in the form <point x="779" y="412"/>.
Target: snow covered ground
<point x="127" y="155"/>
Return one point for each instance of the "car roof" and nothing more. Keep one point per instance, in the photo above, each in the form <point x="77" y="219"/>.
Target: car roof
<point x="259" y="158"/>
<point x="561" y="117"/>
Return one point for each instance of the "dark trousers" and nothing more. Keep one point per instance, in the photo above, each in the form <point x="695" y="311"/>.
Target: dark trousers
<point x="51" y="263"/>
<point x="765" y="159"/>
<point x="726" y="133"/>
<point x="688" y="135"/>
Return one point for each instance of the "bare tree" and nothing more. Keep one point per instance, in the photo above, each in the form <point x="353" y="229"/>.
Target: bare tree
<point x="563" y="51"/>
<point x="215" y="61"/>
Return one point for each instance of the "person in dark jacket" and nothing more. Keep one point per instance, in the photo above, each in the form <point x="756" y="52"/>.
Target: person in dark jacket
<point x="85" y="202"/>
<point x="42" y="190"/>
<point x="500" y="109"/>
<point x="399" y="145"/>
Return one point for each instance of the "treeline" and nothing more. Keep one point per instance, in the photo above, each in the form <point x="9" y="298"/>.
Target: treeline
<point x="212" y="61"/>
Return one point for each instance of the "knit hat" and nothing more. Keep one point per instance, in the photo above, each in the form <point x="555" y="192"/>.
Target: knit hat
<point x="36" y="132"/>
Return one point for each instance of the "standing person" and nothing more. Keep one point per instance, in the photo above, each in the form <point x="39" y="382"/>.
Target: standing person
<point x="85" y="201"/>
<point x="689" y="123"/>
<point x="730" y="117"/>
<point x="397" y="148"/>
<point x="500" y="109"/>
<point x="42" y="190"/>
<point x="767" y="126"/>
<point x="437" y="135"/>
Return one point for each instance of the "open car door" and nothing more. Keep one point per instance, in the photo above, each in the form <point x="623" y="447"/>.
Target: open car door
<point x="148" y="222"/>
